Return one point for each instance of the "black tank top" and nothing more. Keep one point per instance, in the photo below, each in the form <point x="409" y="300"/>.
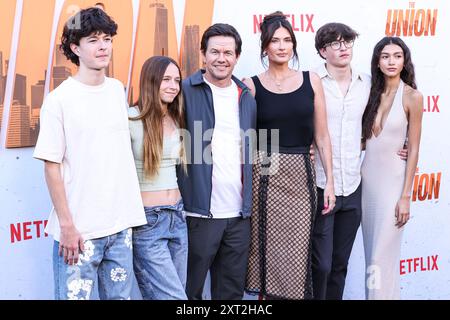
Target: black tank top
<point x="292" y="113"/>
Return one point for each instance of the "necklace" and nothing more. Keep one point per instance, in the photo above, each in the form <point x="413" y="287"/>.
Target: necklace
<point x="278" y="83"/>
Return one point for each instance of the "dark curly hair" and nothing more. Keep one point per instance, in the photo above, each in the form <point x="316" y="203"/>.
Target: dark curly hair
<point x="84" y="23"/>
<point x="333" y="31"/>
<point x="271" y="23"/>
<point x="378" y="82"/>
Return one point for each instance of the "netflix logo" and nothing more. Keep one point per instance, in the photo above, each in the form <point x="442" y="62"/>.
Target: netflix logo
<point x="22" y="231"/>
<point x="431" y="104"/>
<point x="300" y="22"/>
<point x="419" y="264"/>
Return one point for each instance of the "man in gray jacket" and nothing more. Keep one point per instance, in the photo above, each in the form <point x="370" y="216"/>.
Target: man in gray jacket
<point x="217" y="187"/>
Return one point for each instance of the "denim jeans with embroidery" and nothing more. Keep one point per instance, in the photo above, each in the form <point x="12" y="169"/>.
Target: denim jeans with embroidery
<point x="160" y="253"/>
<point x="108" y="260"/>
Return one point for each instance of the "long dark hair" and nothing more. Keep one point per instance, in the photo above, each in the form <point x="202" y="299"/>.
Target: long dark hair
<point x="151" y="112"/>
<point x="271" y="23"/>
<point x="378" y="82"/>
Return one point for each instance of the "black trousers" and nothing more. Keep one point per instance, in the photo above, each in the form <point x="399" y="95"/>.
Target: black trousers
<point x="332" y="243"/>
<point x="221" y="247"/>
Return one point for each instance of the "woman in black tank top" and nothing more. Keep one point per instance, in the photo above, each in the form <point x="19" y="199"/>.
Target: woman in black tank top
<point x="291" y="115"/>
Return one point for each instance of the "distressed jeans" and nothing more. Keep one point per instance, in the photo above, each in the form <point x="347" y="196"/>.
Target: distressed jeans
<point x="108" y="260"/>
<point x="160" y="253"/>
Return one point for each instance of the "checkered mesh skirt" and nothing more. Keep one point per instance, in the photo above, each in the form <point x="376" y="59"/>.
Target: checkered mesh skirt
<point x="284" y="203"/>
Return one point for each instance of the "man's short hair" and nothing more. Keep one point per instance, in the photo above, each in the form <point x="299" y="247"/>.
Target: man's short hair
<point x="331" y="32"/>
<point x="221" y="29"/>
<point x="84" y="23"/>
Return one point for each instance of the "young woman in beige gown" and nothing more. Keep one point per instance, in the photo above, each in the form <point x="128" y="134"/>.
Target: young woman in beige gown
<point x="392" y="117"/>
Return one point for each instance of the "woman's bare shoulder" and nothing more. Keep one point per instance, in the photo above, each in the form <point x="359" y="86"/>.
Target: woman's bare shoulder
<point x="412" y="95"/>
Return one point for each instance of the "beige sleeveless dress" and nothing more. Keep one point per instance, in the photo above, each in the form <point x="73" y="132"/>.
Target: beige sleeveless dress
<point x="383" y="175"/>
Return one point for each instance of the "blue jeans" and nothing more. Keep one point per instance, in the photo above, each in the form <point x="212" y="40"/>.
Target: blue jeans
<point x="160" y="253"/>
<point x="108" y="259"/>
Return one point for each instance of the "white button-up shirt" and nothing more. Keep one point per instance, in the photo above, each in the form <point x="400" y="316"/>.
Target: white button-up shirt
<point x="344" y="114"/>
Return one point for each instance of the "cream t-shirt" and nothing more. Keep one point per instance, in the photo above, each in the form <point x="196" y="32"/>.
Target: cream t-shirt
<point x="85" y="128"/>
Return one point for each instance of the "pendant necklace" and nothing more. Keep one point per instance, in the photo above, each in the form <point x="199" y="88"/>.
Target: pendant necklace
<point x="278" y="83"/>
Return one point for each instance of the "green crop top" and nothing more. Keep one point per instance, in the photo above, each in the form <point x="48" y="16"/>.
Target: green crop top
<point x="166" y="178"/>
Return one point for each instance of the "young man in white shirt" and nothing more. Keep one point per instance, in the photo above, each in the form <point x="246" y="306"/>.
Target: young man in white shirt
<point x="85" y="142"/>
<point x="346" y="94"/>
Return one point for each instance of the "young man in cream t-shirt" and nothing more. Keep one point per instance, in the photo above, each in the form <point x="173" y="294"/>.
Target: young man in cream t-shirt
<point x="85" y="143"/>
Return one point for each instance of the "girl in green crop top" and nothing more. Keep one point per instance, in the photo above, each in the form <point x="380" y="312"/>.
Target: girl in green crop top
<point x="160" y="246"/>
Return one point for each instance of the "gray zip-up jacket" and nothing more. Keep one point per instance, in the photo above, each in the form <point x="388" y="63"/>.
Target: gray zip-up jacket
<point x="196" y="185"/>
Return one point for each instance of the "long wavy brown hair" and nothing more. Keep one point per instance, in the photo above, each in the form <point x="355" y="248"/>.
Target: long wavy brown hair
<point x="151" y="112"/>
<point x="378" y="81"/>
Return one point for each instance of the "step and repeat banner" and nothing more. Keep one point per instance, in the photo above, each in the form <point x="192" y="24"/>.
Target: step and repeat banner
<point x="31" y="66"/>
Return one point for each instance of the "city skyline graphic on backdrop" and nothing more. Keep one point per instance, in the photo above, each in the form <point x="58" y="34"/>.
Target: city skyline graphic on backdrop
<point x="194" y="26"/>
<point x="29" y="76"/>
<point x="155" y="35"/>
<point x="7" y="9"/>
